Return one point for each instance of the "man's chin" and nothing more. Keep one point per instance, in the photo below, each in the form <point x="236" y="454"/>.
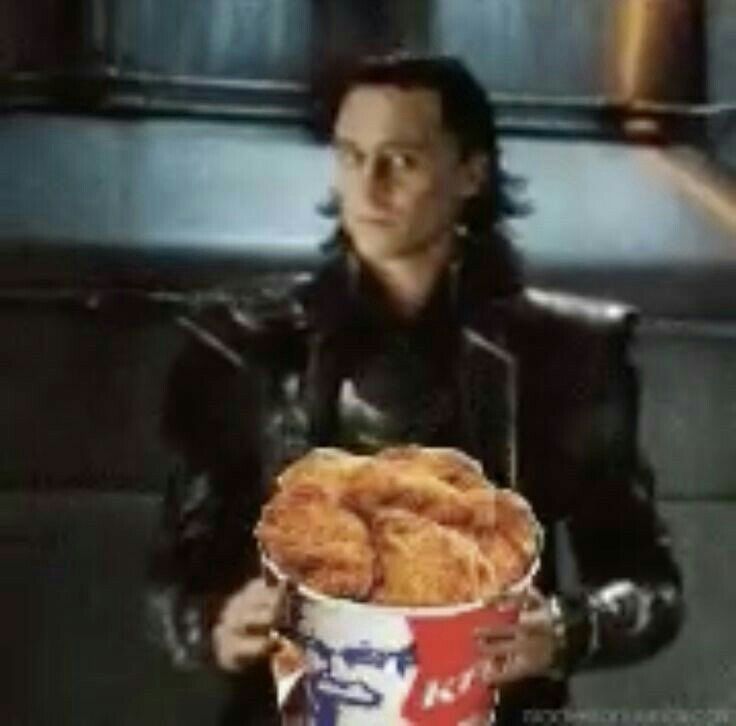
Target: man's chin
<point x="378" y="243"/>
<point x="385" y="244"/>
<point x="384" y="248"/>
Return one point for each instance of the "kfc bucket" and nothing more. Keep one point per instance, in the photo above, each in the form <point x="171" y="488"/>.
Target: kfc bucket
<point x="394" y="566"/>
<point x="373" y="664"/>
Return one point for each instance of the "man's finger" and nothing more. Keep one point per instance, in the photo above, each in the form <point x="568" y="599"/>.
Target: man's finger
<point x="503" y="673"/>
<point x="256" y="624"/>
<point x="255" y="599"/>
<point x="235" y="652"/>
<point x="489" y="648"/>
<point x="493" y="633"/>
<point x="509" y="601"/>
<point x="533" y="599"/>
<point x="499" y="665"/>
<point x="259" y="592"/>
<point x="535" y="621"/>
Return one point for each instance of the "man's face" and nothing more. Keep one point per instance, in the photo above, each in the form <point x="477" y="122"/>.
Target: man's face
<point x="400" y="178"/>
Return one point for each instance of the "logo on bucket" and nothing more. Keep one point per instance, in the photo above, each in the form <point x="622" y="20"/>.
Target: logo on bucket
<point x="352" y="677"/>
<point x="448" y="688"/>
<point x="419" y="670"/>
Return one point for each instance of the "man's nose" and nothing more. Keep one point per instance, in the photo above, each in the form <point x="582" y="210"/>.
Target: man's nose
<point x="375" y="179"/>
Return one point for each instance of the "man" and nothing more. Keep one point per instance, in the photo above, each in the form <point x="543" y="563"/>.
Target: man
<point x="418" y="328"/>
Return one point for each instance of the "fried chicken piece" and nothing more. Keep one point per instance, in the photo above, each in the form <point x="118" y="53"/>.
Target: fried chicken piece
<point x="510" y="542"/>
<point x="508" y="561"/>
<point x="482" y="505"/>
<point x="503" y="526"/>
<point x="317" y="543"/>
<point x="328" y="468"/>
<point x="516" y="522"/>
<point x="510" y="564"/>
<point x="408" y="526"/>
<point x="307" y="491"/>
<point x="381" y="484"/>
<point x="423" y="563"/>
<point x="450" y="465"/>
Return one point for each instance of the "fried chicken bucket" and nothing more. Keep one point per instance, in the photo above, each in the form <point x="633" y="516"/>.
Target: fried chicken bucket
<point x="396" y="561"/>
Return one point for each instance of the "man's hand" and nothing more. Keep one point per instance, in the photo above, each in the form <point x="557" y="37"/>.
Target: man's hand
<point x="242" y="633"/>
<point x="526" y="649"/>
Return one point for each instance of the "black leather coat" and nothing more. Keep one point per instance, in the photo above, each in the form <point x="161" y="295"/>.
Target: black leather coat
<point x="549" y="403"/>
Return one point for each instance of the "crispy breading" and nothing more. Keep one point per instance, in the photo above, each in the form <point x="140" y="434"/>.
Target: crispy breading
<point x="408" y="526"/>
<point x="323" y="467"/>
<point x="423" y="563"/>
<point x="482" y="505"/>
<point x="505" y="531"/>
<point x="306" y="491"/>
<point x="450" y="465"/>
<point x="318" y="543"/>
<point x="380" y="484"/>
<point x="516" y="521"/>
<point x="510" y="564"/>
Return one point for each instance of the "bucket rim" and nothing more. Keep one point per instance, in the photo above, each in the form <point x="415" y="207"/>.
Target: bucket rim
<point x="519" y="587"/>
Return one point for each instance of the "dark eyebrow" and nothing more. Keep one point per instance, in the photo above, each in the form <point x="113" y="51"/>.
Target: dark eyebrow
<point x="406" y="146"/>
<point x="339" y="141"/>
<point x="398" y="145"/>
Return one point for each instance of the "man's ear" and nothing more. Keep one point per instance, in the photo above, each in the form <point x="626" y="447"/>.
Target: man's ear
<point x="475" y="174"/>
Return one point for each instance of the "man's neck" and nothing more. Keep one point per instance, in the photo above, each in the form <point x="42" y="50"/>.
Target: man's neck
<point x="408" y="281"/>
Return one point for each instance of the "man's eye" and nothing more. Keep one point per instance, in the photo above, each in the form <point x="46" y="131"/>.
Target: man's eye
<point x="403" y="161"/>
<point x="349" y="157"/>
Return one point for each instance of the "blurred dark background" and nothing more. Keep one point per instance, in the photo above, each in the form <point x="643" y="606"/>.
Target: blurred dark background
<point x="157" y="154"/>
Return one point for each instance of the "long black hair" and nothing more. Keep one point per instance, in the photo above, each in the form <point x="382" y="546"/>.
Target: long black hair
<point x="468" y="114"/>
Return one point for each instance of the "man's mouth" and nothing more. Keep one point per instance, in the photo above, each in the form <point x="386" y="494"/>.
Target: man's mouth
<point x="375" y="221"/>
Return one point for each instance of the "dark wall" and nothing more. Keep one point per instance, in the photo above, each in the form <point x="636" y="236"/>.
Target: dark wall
<point x="82" y="394"/>
<point x="721" y="40"/>
<point x="626" y="49"/>
<point x="219" y="38"/>
<point x="254" y="39"/>
<point x="230" y="56"/>
<point x="48" y="34"/>
<point x="720" y="36"/>
<point x="81" y="398"/>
